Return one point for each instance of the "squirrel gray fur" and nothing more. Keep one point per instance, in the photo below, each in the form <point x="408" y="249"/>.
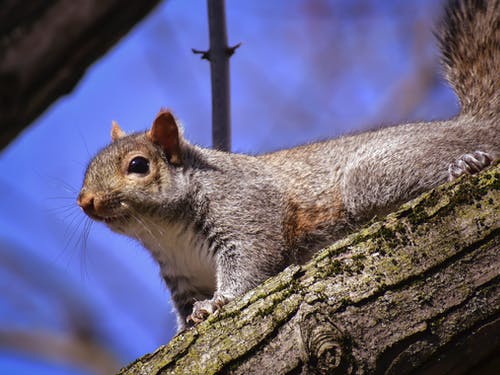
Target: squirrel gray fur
<point x="219" y="223"/>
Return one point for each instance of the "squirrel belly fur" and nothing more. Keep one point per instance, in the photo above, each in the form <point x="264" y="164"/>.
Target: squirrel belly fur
<point x="219" y="223"/>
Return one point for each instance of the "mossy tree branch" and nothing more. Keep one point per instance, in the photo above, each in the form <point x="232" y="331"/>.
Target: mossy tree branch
<point x="416" y="292"/>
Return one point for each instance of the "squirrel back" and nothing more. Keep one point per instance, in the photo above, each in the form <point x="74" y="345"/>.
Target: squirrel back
<point x="220" y="223"/>
<point x="373" y="172"/>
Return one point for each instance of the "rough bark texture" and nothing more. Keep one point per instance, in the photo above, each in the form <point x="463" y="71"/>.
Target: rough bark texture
<point x="46" y="46"/>
<point x="417" y="292"/>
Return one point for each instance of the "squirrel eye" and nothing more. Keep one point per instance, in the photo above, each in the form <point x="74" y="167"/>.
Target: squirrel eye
<point x="138" y="165"/>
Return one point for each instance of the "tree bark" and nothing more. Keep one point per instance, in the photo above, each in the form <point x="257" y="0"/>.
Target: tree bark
<point x="416" y="292"/>
<point x="46" y="46"/>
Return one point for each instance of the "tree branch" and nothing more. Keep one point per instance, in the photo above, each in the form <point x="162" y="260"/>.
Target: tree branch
<point x="418" y="291"/>
<point x="45" y="48"/>
<point x="219" y="73"/>
<point x="218" y="55"/>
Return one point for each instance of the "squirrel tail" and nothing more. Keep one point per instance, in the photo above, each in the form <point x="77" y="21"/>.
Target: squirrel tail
<point x="470" y="47"/>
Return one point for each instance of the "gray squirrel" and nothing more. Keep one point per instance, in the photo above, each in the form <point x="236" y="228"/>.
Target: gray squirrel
<point x="220" y="223"/>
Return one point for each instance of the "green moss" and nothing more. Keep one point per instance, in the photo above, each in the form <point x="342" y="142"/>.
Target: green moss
<point x="336" y="267"/>
<point x="417" y="215"/>
<point x="386" y="233"/>
<point x="276" y="284"/>
<point x="273" y="305"/>
<point x="432" y="199"/>
<point x="343" y="303"/>
<point x="358" y="262"/>
<point x="359" y="257"/>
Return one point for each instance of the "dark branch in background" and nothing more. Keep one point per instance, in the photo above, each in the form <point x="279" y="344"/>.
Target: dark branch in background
<point x="45" y="48"/>
<point x="218" y="55"/>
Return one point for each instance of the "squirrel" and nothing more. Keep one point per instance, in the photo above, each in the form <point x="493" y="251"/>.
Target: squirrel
<point x="220" y="223"/>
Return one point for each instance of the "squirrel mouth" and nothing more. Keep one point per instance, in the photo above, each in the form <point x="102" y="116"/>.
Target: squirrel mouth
<point x="116" y="219"/>
<point x="112" y="219"/>
<point x="109" y="219"/>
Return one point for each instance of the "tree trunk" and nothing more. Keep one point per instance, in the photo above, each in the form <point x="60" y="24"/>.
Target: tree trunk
<point x="417" y="292"/>
<point x="46" y="46"/>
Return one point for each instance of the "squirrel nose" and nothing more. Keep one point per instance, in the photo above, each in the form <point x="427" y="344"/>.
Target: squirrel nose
<point x="86" y="202"/>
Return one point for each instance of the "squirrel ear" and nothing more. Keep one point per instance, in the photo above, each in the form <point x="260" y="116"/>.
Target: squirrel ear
<point x="165" y="133"/>
<point x="116" y="131"/>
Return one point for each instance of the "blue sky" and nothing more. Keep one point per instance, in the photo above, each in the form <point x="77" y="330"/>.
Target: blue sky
<point x="307" y="70"/>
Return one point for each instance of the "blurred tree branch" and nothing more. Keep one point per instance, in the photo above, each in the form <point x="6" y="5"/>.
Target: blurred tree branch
<point x="70" y="349"/>
<point x="416" y="292"/>
<point x="46" y="46"/>
<point x="73" y="337"/>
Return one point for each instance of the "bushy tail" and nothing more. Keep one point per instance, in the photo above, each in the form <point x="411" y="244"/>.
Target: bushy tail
<point x="470" y="44"/>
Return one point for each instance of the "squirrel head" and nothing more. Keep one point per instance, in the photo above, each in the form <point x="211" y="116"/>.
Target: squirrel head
<point x="133" y="174"/>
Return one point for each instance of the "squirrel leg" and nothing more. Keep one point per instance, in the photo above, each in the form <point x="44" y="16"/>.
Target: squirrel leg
<point x="469" y="164"/>
<point x="202" y="309"/>
<point x="235" y="276"/>
<point x="229" y="281"/>
<point x="183" y="295"/>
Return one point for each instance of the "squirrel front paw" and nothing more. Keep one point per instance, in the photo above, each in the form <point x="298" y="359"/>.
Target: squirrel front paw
<point x="202" y="309"/>
<point x="469" y="164"/>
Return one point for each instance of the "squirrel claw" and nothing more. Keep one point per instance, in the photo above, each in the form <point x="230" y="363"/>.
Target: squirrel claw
<point x="202" y="309"/>
<point x="469" y="164"/>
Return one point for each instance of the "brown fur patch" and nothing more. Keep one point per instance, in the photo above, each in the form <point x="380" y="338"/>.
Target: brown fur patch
<point x="305" y="217"/>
